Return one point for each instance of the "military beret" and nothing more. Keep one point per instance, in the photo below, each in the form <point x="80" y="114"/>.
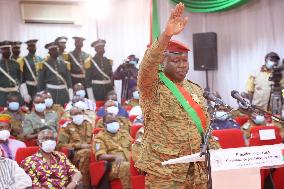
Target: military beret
<point x="51" y="45"/>
<point x="98" y="42"/>
<point x="177" y="47"/>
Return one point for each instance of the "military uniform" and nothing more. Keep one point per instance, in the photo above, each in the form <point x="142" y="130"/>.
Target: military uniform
<point x="33" y="123"/>
<point x="7" y="86"/>
<point x="169" y="131"/>
<point x="56" y="108"/>
<point x="52" y="83"/>
<point x="98" y="74"/>
<point x="115" y="144"/>
<point x="16" y="123"/>
<point x="28" y="67"/>
<point x="72" y="136"/>
<point x="77" y="66"/>
<point x="124" y="123"/>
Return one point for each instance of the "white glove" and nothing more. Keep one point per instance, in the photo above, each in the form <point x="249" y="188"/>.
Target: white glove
<point x="90" y="94"/>
<point x="24" y="93"/>
<point x="70" y="91"/>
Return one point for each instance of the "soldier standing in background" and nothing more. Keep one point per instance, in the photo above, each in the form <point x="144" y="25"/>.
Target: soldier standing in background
<point x="16" y="50"/>
<point x="61" y="42"/>
<point x="99" y="73"/>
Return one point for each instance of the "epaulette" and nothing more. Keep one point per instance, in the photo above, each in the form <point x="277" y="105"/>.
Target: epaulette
<point x="39" y="66"/>
<point x="111" y="62"/>
<point x="194" y="84"/>
<point x="87" y="62"/>
<point x="21" y="63"/>
<point x="65" y="56"/>
<point x="68" y="65"/>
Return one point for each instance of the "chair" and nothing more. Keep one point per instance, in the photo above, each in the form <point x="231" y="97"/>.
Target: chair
<point x="255" y="136"/>
<point x="132" y="117"/>
<point x="31" y="142"/>
<point x="229" y="138"/>
<point x="134" y="129"/>
<point x="22" y="153"/>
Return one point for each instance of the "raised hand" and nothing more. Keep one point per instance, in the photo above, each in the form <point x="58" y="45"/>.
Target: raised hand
<point x="176" y="22"/>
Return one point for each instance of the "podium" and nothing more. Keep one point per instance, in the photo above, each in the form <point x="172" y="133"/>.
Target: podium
<point x="236" y="168"/>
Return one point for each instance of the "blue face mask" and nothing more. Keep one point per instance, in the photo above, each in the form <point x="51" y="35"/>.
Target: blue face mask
<point x="81" y="93"/>
<point x="269" y="64"/>
<point x="221" y="115"/>
<point x="14" y="106"/>
<point x="48" y="102"/>
<point x="40" y="107"/>
<point x="112" y="127"/>
<point x="132" y="62"/>
<point x="135" y="95"/>
<point x="259" y="119"/>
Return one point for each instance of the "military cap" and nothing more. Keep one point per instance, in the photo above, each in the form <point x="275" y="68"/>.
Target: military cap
<point x="16" y="44"/>
<point x="51" y="45"/>
<point x="61" y="39"/>
<point x="272" y="55"/>
<point x="31" y="41"/>
<point x="99" y="42"/>
<point x="78" y="38"/>
<point x="5" y="118"/>
<point x="5" y="44"/>
<point x="177" y="47"/>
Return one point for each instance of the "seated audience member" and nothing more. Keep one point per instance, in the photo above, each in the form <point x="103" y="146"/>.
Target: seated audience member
<point x="114" y="107"/>
<point x="137" y="144"/>
<point x="113" y="145"/>
<point x="50" y="106"/>
<point x="7" y="145"/>
<point x="223" y="120"/>
<point x="17" y="115"/>
<point x="13" y="176"/>
<point x="48" y="168"/>
<point x="39" y="119"/>
<point x="77" y="135"/>
<point x="134" y="100"/>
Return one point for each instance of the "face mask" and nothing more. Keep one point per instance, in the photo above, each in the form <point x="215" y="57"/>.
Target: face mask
<point x="78" y="119"/>
<point x="48" y="146"/>
<point x="80" y="105"/>
<point x="132" y="62"/>
<point x="259" y="119"/>
<point x="48" y="102"/>
<point x="81" y="93"/>
<point x="4" y="135"/>
<point x="40" y="107"/>
<point x="14" y="106"/>
<point x="113" y="110"/>
<point x="135" y="95"/>
<point x="221" y="115"/>
<point x="112" y="127"/>
<point x="269" y="64"/>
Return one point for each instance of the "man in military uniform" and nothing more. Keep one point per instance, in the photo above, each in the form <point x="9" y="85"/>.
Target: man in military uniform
<point x="171" y="131"/>
<point x="28" y="66"/>
<point x="17" y="115"/>
<point x="98" y="73"/>
<point x="77" y="58"/>
<point x="77" y="136"/>
<point x="39" y="119"/>
<point x="16" y="50"/>
<point x="61" y="42"/>
<point x="54" y="76"/>
<point x="10" y="75"/>
<point x="259" y="86"/>
<point x="113" y="145"/>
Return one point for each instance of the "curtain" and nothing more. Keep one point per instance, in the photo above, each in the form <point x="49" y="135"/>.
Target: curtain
<point x="210" y="5"/>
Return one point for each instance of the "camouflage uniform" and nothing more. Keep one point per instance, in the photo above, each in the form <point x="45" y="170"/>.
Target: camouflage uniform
<point x="132" y="102"/>
<point x="116" y="144"/>
<point x="125" y="124"/>
<point x="56" y="108"/>
<point x="16" y="123"/>
<point x="136" y="146"/>
<point x="33" y="123"/>
<point x="169" y="131"/>
<point x="72" y="136"/>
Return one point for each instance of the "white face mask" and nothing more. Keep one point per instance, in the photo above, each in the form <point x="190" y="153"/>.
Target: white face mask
<point x="14" y="106"/>
<point x="48" y="146"/>
<point x="112" y="127"/>
<point x="81" y="93"/>
<point x="269" y="64"/>
<point x="221" y="115"/>
<point x="135" y="95"/>
<point x="48" y="102"/>
<point x="40" y="107"/>
<point x="113" y="110"/>
<point x="78" y="119"/>
<point x="259" y="119"/>
<point x="81" y="105"/>
<point x="4" y="135"/>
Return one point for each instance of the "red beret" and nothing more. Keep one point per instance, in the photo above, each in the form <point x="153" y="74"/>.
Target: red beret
<point x="176" y="46"/>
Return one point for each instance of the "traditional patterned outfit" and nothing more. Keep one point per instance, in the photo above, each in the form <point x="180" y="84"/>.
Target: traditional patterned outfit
<point x="16" y="122"/>
<point x="55" y="175"/>
<point x="169" y="130"/>
<point x="116" y="144"/>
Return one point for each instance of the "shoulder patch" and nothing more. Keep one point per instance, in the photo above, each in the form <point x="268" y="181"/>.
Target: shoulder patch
<point x="111" y="61"/>
<point x="21" y="63"/>
<point x="194" y="84"/>
<point x="87" y="62"/>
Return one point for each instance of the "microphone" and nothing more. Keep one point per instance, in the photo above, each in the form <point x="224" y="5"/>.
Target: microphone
<point x="237" y="95"/>
<point x="213" y="98"/>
